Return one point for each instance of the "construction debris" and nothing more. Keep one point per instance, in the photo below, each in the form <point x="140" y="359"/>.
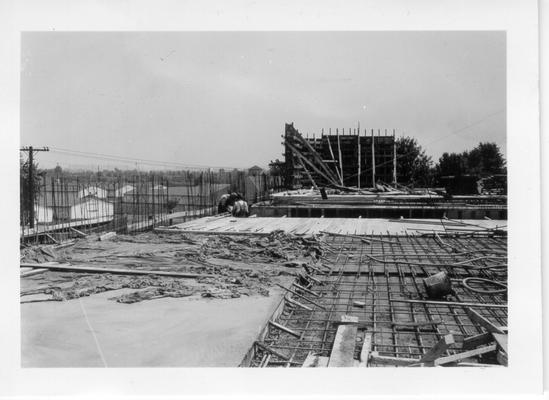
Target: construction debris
<point x="155" y="266"/>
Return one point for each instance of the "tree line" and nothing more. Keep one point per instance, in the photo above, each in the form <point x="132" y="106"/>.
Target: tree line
<point x="416" y="168"/>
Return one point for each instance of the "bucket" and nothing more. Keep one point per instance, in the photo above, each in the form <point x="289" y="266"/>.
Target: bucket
<point x="438" y="285"/>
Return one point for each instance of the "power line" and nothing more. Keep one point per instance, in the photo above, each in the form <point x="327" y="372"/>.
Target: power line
<point x="133" y="160"/>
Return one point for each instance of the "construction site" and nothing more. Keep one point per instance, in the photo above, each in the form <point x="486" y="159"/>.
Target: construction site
<point x="335" y="262"/>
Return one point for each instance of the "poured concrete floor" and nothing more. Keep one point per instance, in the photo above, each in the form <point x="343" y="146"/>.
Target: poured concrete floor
<point x="169" y="332"/>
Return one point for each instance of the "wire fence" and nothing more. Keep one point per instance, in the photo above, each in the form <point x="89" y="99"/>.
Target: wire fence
<point x="67" y="206"/>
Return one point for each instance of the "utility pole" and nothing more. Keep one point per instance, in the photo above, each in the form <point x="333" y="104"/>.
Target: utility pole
<point x="394" y="159"/>
<point x="31" y="150"/>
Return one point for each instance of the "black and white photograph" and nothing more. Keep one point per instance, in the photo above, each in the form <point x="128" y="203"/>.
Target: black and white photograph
<point x="238" y="199"/>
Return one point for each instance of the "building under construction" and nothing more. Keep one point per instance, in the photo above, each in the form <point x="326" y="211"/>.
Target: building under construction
<point x="340" y="158"/>
<point x="357" y="271"/>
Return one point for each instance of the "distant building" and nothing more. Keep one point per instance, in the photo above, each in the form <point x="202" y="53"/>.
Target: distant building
<point x="255" y="170"/>
<point x="123" y="190"/>
<point x="52" y="209"/>
<point x="93" y="191"/>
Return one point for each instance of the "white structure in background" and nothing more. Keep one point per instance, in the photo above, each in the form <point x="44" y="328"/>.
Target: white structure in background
<point x="91" y="207"/>
<point x="123" y="190"/>
<point x="43" y="214"/>
<point x="93" y="191"/>
<point x="75" y="209"/>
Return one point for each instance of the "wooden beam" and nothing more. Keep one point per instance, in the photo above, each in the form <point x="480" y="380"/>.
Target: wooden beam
<point x="467" y="354"/>
<point x="311" y="164"/>
<point x="33" y="272"/>
<point x="472" y="342"/>
<point x="340" y="158"/>
<point x="78" y="232"/>
<point x="482" y="321"/>
<point x="501" y="340"/>
<point x="399" y="361"/>
<point x="478" y="365"/>
<point x="305" y="289"/>
<point x="298" y="304"/>
<point x="314" y="155"/>
<point x="438" y="349"/>
<point x="266" y="348"/>
<point x="284" y="329"/>
<point x="300" y="295"/>
<point x="334" y="160"/>
<point x="107" y="236"/>
<point x="359" y="166"/>
<point x="84" y="269"/>
<point x="366" y="350"/>
<point x="308" y="173"/>
<point x="343" y="349"/>
<point x="51" y="238"/>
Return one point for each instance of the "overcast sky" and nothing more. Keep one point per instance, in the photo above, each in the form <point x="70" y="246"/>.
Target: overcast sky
<point x="221" y="99"/>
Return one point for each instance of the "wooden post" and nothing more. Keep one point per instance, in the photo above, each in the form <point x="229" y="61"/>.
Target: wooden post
<point x="343" y="349"/>
<point x="333" y="158"/>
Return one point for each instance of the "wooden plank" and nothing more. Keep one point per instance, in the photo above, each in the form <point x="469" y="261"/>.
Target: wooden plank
<point x="466" y="354"/>
<point x="78" y="268"/>
<point x="398" y="361"/>
<point x="195" y="232"/>
<point x="297" y="285"/>
<point x="266" y="348"/>
<point x="366" y="349"/>
<point x="78" y="232"/>
<point x="501" y="340"/>
<point x="343" y="349"/>
<point x="298" y="304"/>
<point x="107" y="236"/>
<point x="300" y="295"/>
<point x="482" y="321"/>
<point x="51" y="238"/>
<point x="285" y="329"/>
<point x="478" y="365"/>
<point x="477" y="340"/>
<point x="438" y="349"/>
<point x="33" y="272"/>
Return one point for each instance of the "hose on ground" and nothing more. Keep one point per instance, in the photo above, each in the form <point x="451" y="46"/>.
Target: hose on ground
<point x="465" y="282"/>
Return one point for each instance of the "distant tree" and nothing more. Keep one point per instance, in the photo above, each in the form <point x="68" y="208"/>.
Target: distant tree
<point x="277" y="168"/>
<point x="26" y="186"/>
<point x="452" y="164"/>
<point x="413" y="164"/>
<point x="485" y="159"/>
